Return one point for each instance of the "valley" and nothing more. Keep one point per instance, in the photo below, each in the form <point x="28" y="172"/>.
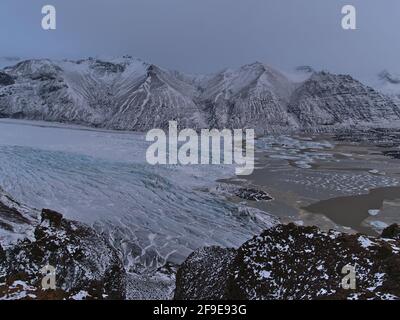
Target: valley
<point x="155" y="216"/>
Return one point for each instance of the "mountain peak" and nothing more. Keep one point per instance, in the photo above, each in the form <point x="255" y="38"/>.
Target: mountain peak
<point x="127" y="92"/>
<point x="388" y="77"/>
<point x="305" y="69"/>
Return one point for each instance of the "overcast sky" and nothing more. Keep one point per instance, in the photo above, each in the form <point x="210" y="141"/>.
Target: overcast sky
<point x="207" y="35"/>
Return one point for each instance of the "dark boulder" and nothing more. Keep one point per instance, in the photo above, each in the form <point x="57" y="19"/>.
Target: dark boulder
<point x="54" y="218"/>
<point x="392" y="232"/>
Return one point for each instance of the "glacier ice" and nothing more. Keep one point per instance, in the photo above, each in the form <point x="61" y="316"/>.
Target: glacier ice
<point x="151" y="214"/>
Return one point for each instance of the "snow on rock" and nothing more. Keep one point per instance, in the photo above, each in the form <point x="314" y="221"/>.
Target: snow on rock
<point x="124" y="93"/>
<point x="254" y="96"/>
<point x="16" y="220"/>
<point x="128" y="93"/>
<point x="86" y="265"/>
<point x="326" y="100"/>
<point x="388" y="83"/>
<point x="293" y="262"/>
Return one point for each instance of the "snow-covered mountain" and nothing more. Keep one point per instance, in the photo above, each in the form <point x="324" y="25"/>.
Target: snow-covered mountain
<point x="388" y="83"/>
<point x="125" y="93"/>
<point x="128" y="93"/>
<point x="327" y="99"/>
<point x="253" y="96"/>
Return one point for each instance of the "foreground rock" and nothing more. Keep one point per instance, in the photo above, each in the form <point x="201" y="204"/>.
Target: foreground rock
<point x="17" y="221"/>
<point x="87" y="267"/>
<point x="292" y="262"/>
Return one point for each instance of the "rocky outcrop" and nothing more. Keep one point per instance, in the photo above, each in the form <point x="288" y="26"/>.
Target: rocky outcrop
<point x="17" y="221"/>
<point x="86" y="266"/>
<point x="252" y="194"/>
<point x="292" y="262"/>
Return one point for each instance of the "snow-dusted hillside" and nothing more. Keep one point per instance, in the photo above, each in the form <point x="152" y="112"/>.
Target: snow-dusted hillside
<point x="128" y="93"/>
<point x="124" y="93"/>
<point x="328" y="99"/>
<point x="86" y="265"/>
<point x="254" y="96"/>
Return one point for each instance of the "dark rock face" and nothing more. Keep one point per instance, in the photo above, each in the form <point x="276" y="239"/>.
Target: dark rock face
<point x="5" y="79"/>
<point x="291" y="262"/>
<point x="86" y="265"/>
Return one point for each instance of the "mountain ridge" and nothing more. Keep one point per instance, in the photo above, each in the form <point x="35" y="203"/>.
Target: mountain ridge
<point x="130" y="94"/>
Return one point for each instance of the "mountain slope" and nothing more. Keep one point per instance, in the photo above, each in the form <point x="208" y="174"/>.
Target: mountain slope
<point x="388" y="83"/>
<point x="326" y="99"/>
<point x="254" y="96"/>
<point x="16" y="220"/>
<point x="121" y="94"/>
<point x="130" y="94"/>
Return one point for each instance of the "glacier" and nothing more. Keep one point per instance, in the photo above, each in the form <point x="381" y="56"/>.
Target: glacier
<point x="151" y="214"/>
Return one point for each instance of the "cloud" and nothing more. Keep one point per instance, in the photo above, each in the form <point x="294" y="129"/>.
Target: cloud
<point x="208" y="35"/>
